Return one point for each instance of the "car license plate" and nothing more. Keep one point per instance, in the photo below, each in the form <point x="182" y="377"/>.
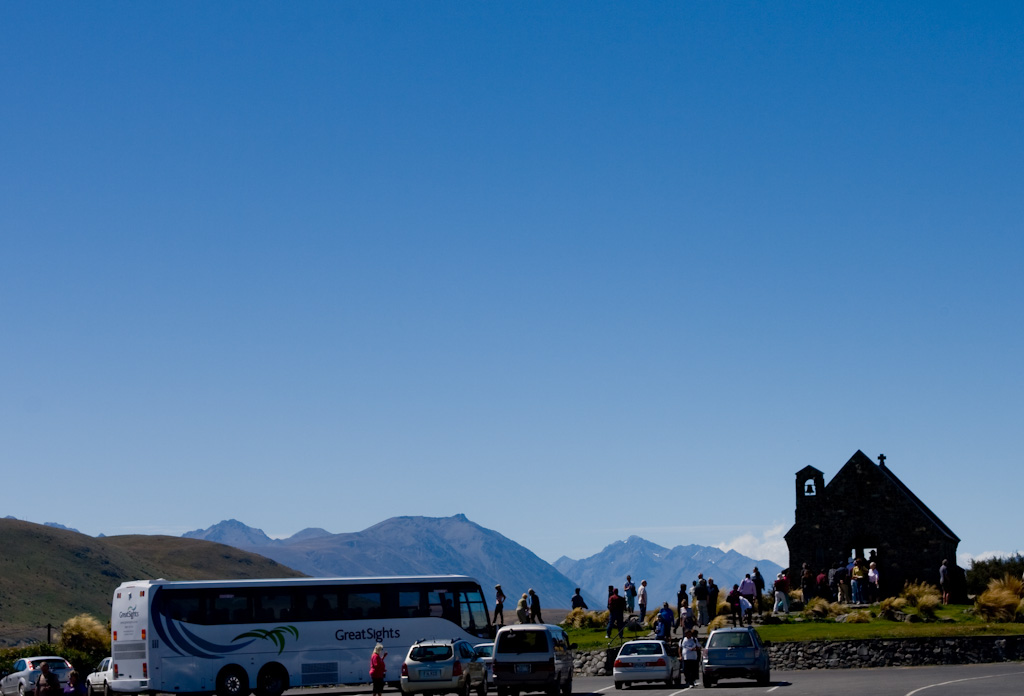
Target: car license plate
<point x="523" y="669"/>
<point x="430" y="673"/>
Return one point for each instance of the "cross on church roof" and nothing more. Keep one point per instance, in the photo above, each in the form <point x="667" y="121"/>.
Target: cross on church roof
<point x="881" y="460"/>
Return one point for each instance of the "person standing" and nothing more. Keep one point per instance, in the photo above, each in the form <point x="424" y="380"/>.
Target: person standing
<point x="701" y="593"/>
<point x="781" y="588"/>
<point x="47" y="683"/>
<point x="733" y="598"/>
<point x="689" y="653"/>
<point x="616" y="607"/>
<point x="873" y="582"/>
<point x="378" y="669"/>
<point x="499" y="606"/>
<point x="641" y="596"/>
<point x="535" y="616"/>
<point x="944" y="580"/>
<point x="630" y="590"/>
<point x="759" y="588"/>
<point x="747" y="590"/>
<point x="712" y="599"/>
<point x="577" y="601"/>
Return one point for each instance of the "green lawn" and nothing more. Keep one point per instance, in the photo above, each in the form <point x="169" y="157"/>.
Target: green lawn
<point x="954" y="621"/>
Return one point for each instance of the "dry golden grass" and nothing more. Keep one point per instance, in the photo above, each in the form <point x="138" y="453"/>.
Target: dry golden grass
<point x="1002" y="601"/>
<point x="913" y="592"/>
<point x="859" y="616"/>
<point x="890" y="605"/>
<point x="820" y="608"/>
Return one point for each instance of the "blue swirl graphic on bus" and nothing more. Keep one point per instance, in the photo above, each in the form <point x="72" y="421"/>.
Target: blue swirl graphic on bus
<point x="183" y="641"/>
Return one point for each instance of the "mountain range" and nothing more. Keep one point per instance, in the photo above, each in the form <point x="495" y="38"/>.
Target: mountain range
<point x="663" y="569"/>
<point x="435" y="545"/>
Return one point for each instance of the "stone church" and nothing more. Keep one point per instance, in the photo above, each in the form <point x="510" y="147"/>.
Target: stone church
<point x="866" y="511"/>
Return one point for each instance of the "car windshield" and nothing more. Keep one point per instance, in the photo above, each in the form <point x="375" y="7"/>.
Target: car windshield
<point x="430" y="653"/>
<point x="484" y="650"/>
<point x="641" y="649"/>
<point x="730" y="640"/>
<point x="523" y="642"/>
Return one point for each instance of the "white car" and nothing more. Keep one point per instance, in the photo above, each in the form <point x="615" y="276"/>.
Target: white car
<point x="21" y="680"/>
<point x="646" y="661"/>
<point x="98" y="682"/>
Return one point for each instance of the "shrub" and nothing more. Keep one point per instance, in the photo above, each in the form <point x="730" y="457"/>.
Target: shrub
<point x="981" y="572"/>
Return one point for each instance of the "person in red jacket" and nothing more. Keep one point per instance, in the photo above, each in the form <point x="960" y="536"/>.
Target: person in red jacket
<point x="378" y="669"/>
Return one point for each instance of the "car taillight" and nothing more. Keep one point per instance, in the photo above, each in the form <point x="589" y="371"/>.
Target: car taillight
<point x="143" y="634"/>
<point x="115" y="635"/>
<point x="145" y="671"/>
<point x="618" y="663"/>
<point x="405" y="670"/>
<point x="659" y="663"/>
<point x="117" y="673"/>
<point x="457" y="669"/>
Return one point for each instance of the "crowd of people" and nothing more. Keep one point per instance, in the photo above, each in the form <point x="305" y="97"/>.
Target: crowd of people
<point x="852" y="581"/>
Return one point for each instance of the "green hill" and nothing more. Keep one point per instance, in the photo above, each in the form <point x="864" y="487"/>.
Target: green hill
<point x="48" y="575"/>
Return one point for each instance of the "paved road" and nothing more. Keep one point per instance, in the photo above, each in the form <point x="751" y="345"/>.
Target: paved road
<point x="999" y="679"/>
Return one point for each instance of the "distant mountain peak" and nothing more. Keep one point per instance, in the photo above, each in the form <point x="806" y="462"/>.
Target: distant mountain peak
<point x="232" y="533"/>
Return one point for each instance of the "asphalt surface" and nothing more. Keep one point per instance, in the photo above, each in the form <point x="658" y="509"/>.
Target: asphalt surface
<point x="997" y="679"/>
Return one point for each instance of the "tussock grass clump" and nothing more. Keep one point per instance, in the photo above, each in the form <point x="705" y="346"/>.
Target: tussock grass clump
<point x="859" y="616"/>
<point x="928" y="605"/>
<point x="581" y="618"/>
<point x="890" y="605"/>
<point x="914" y="591"/>
<point x="820" y="608"/>
<point x="1002" y="601"/>
<point x="720" y="621"/>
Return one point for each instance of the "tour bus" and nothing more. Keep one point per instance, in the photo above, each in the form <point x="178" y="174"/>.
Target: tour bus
<point x="232" y="637"/>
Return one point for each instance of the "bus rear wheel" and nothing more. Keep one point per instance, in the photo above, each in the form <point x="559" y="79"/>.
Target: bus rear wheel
<point x="272" y="680"/>
<point x="233" y="681"/>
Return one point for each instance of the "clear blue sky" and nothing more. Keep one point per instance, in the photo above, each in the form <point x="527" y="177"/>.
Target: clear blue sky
<point x="576" y="270"/>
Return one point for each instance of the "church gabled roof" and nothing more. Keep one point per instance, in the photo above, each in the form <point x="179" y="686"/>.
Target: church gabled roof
<point x="887" y="473"/>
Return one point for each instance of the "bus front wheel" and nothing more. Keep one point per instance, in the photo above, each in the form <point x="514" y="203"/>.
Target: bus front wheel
<point x="272" y="680"/>
<point x="233" y="681"/>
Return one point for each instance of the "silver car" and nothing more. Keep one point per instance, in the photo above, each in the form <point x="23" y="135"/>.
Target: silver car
<point x="443" y="666"/>
<point x="646" y="661"/>
<point x="21" y="680"/>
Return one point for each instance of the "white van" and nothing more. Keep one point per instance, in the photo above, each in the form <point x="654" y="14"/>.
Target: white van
<point x="533" y="657"/>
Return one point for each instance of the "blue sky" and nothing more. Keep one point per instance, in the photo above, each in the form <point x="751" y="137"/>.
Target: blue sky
<point x="576" y="270"/>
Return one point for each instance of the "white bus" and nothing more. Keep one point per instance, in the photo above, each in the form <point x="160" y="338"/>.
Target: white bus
<point x="232" y="637"/>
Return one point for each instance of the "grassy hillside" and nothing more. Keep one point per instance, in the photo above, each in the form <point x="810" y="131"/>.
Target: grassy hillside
<point x="48" y="575"/>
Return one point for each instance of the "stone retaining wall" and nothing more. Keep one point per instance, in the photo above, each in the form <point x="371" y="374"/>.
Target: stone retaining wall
<point x="846" y="654"/>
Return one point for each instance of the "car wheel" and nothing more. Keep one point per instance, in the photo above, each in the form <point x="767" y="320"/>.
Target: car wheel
<point x="89" y="690"/>
<point x="708" y="682"/>
<point x="481" y="689"/>
<point x="233" y="681"/>
<point x="618" y="685"/>
<point x="764" y="678"/>
<point x="466" y="688"/>
<point x="272" y="680"/>
<point x="106" y="688"/>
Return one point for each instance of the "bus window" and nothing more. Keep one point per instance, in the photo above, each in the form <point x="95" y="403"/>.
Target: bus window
<point x="473" y="610"/>
<point x="273" y="605"/>
<point x="363" y="605"/>
<point x="230" y="608"/>
<point x="322" y="604"/>
<point x="409" y="605"/>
